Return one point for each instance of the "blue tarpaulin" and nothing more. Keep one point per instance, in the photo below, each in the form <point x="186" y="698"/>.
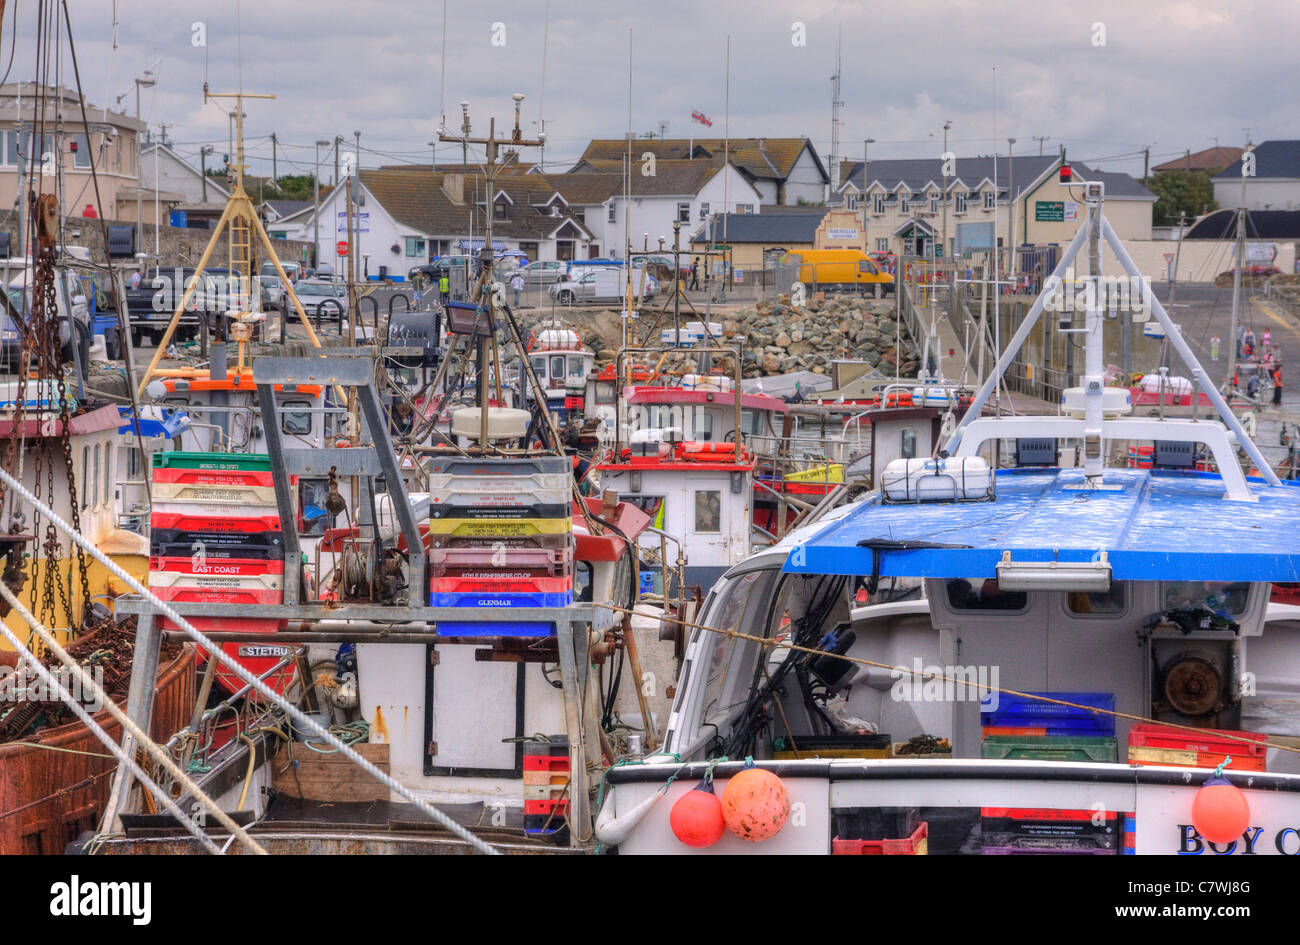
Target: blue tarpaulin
<point x="1157" y="525"/>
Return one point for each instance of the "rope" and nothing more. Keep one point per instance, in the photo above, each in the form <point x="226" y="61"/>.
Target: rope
<point x="123" y="757"/>
<point x="253" y="682"/>
<point x="766" y="641"/>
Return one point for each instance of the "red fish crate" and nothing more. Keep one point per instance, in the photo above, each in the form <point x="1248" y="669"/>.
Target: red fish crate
<point x="543" y="561"/>
<point x="554" y="805"/>
<point x="214" y="477"/>
<point x="224" y="524"/>
<point x="235" y="567"/>
<point x="989" y="731"/>
<point x="257" y="658"/>
<point x="505" y="582"/>
<point x="1163" y="746"/>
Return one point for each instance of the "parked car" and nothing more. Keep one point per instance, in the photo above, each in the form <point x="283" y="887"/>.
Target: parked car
<point x="599" y="284"/>
<point x="73" y="308"/>
<point x="543" y="273"/>
<point x="321" y="299"/>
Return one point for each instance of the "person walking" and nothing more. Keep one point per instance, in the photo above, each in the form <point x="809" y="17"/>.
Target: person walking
<point x="444" y="286"/>
<point x="417" y="283"/>
<point x="1266" y="339"/>
<point x="517" y="283"/>
<point x="1277" y="385"/>
<point x="695" y="275"/>
<point x="135" y="279"/>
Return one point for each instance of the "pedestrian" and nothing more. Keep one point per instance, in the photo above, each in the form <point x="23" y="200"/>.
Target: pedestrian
<point x="1267" y="338"/>
<point x="695" y="274"/>
<point x="1250" y="337"/>
<point x="135" y="279"/>
<point x="1277" y="385"/>
<point x="418" y="282"/>
<point x="517" y="283"/>
<point x="444" y="286"/>
<point x="1241" y="340"/>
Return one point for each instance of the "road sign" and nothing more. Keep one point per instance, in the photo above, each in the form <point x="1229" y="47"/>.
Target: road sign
<point x="342" y="247"/>
<point x="1169" y="257"/>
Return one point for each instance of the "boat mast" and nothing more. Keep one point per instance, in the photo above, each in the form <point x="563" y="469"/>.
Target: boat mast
<point x="1094" y="380"/>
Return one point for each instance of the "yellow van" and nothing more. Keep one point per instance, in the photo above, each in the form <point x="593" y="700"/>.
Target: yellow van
<point x="843" y="270"/>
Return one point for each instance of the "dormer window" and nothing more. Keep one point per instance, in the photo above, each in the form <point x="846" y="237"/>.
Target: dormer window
<point x="878" y="204"/>
<point x="904" y="202"/>
<point x="934" y="203"/>
<point x="959" y="203"/>
<point x="988" y="199"/>
<point x="501" y="210"/>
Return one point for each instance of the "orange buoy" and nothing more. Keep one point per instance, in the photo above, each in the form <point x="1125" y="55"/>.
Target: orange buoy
<point x="696" y="817"/>
<point x="755" y="804"/>
<point x="1220" y="812"/>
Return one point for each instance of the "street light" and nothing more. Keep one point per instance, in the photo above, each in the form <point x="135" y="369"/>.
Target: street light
<point x="145" y="81"/>
<point x="315" y="214"/>
<point x="866" y="144"/>
<point x="203" y="167"/>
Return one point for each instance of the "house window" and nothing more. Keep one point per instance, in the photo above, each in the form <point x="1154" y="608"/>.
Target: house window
<point x="704" y="211"/>
<point x="414" y="247"/>
<point x="613" y="212"/>
<point x="744" y="208"/>
<point x="878" y="204"/>
<point x="852" y="202"/>
<point x="934" y="203"/>
<point x="529" y="250"/>
<point x="82" y="156"/>
<point x="579" y="214"/>
<point x="882" y="244"/>
<point x="683" y="213"/>
<point x="904" y="203"/>
<point x="988" y="199"/>
<point x="500" y="210"/>
<point x="959" y="201"/>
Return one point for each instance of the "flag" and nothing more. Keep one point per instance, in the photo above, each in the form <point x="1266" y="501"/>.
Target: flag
<point x="703" y="119"/>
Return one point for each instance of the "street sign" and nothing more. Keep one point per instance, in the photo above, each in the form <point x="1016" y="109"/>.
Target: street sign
<point x="1169" y="257"/>
<point x="342" y="247"/>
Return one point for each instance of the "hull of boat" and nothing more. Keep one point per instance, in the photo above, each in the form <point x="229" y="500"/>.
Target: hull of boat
<point x="53" y="786"/>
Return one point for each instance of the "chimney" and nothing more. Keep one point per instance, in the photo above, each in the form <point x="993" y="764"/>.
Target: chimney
<point x="453" y="185"/>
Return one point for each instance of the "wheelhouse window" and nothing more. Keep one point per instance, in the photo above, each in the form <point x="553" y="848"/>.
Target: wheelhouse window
<point x="743" y="605"/>
<point x="708" y="511"/>
<point x="1225" y="598"/>
<point x="907" y="444"/>
<point x="557" y="366"/>
<point x="605" y="393"/>
<point x="1097" y="604"/>
<point x="983" y="594"/>
<point x="296" y="417"/>
<point x="539" y="367"/>
<point x="575" y="367"/>
<point x="652" y="505"/>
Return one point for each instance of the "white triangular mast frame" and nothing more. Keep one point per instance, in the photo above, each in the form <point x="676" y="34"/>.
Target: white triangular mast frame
<point x="1094" y="429"/>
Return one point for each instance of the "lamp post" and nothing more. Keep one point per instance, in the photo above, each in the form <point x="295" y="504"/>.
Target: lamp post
<point x="866" y="245"/>
<point x="315" y="213"/>
<point x="145" y="81"/>
<point x="1011" y="200"/>
<point x="203" y="167"/>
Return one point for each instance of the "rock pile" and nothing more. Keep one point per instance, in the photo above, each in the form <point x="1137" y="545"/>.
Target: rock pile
<point x="777" y="337"/>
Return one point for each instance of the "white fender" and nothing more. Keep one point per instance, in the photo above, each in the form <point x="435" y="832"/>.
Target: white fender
<point x="612" y="830"/>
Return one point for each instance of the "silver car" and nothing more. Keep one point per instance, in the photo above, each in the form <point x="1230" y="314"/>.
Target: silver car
<point x="321" y="299"/>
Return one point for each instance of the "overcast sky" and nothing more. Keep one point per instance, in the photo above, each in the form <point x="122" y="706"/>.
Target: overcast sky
<point x="1171" y="75"/>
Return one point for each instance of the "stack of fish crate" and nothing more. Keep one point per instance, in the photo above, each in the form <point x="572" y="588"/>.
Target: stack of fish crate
<point x="215" y="537"/>
<point x="500" y="537"/>
<point x="1027" y="728"/>
<point x="1021" y="830"/>
<point x="546" y="787"/>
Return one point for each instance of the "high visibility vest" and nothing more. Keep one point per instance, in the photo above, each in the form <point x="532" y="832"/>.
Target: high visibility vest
<point x="444" y="284"/>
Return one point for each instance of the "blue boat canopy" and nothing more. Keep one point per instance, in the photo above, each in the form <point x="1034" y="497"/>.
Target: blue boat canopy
<point x="172" y="423"/>
<point x="1152" y="524"/>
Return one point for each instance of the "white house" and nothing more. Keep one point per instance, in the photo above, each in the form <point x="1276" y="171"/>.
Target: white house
<point x="659" y="193"/>
<point x="180" y="183"/>
<point x="1272" y="179"/>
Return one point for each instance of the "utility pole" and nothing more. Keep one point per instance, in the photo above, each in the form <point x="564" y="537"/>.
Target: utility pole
<point x="275" y="167"/>
<point x="315" y="213"/>
<point x="491" y="145"/>
<point x="1236" y="274"/>
<point x="944" y="168"/>
<point x="1146" y="162"/>
<point x="1040" y="139"/>
<point x="337" y="139"/>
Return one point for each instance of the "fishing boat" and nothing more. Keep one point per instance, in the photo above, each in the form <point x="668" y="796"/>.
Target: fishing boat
<point x="1080" y="676"/>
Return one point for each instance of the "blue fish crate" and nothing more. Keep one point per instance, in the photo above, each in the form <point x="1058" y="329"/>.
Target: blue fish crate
<point x="486" y="600"/>
<point x="647" y="585"/>
<point x="1022" y="712"/>
<point x="494" y="628"/>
